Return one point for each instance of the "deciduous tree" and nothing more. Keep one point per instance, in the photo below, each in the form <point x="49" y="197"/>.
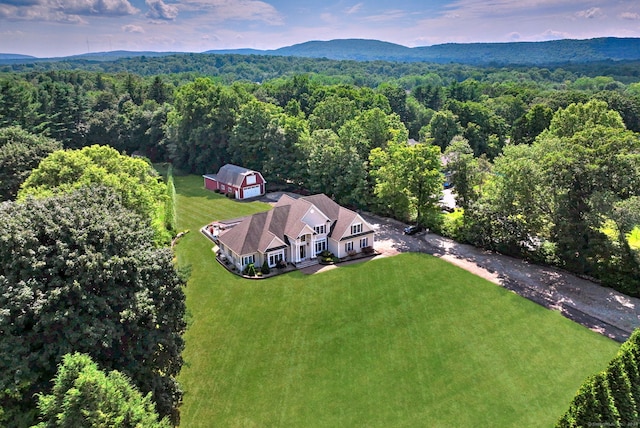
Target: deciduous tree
<point x="200" y="124"/>
<point x="134" y="179"/>
<point x="408" y="179"/>
<point x="79" y="273"/>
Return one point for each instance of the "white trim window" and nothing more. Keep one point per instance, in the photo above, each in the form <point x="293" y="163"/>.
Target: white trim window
<point x="356" y="228"/>
<point x="274" y="258"/>
<point x="247" y="260"/>
<point x="364" y="242"/>
<point x="348" y="246"/>
<point x="321" y="245"/>
<point x="321" y="229"/>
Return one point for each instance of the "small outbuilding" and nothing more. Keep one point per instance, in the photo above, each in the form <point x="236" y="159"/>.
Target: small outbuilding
<point x="241" y="182"/>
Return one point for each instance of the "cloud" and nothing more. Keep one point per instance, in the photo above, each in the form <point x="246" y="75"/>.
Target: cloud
<point x="630" y="16"/>
<point x="594" y="12"/>
<point x="354" y="8"/>
<point x="163" y="42"/>
<point x="132" y="29"/>
<point x="514" y="37"/>
<point x="12" y="34"/>
<point x="389" y="15"/>
<point x="552" y="35"/>
<point x="237" y="10"/>
<point x="328" y="18"/>
<point x="37" y="13"/>
<point x="20" y="2"/>
<point x="95" y="7"/>
<point x="160" y="10"/>
<point x="505" y="8"/>
<point x="67" y="11"/>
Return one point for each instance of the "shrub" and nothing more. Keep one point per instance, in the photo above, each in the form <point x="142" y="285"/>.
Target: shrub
<point x="327" y="256"/>
<point x="265" y="268"/>
<point x="249" y="270"/>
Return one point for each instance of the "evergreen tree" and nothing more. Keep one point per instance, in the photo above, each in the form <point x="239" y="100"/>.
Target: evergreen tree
<point x="608" y="398"/>
<point x="20" y="152"/>
<point x="84" y="396"/>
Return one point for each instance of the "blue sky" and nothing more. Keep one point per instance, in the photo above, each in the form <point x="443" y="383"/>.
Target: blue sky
<point x="47" y="28"/>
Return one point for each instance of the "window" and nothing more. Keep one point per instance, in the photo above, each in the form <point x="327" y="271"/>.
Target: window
<point x="274" y="258"/>
<point x="356" y="228"/>
<point x="320" y="229"/>
<point x="303" y="238"/>
<point x="364" y="242"/>
<point x="222" y="187"/>
<point x="248" y="260"/>
<point x="251" y="179"/>
<point x="348" y="246"/>
<point x="321" y="246"/>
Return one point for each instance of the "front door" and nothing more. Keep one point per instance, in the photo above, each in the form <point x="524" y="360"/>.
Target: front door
<point x="303" y="252"/>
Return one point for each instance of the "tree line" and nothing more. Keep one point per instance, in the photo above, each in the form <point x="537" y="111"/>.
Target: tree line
<point x="351" y="142"/>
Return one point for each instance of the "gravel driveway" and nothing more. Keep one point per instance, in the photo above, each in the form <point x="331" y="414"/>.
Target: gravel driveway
<point x="599" y="308"/>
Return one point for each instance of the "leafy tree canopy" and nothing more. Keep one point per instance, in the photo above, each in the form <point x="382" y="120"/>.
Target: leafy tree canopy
<point x="200" y="125"/>
<point x="20" y="152"/>
<point x="84" y="396"/>
<point x="134" y="179"/>
<point x="79" y="273"/>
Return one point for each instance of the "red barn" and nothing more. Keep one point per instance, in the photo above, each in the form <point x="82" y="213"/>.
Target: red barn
<point x="243" y="183"/>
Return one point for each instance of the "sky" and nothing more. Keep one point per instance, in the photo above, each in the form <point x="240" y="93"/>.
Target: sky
<point x="53" y="28"/>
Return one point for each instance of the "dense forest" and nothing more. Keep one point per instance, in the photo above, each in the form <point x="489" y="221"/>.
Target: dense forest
<point x="545" y="165"/>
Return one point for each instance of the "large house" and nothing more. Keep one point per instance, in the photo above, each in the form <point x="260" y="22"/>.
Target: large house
<point x="240" y="182"/>
<point x="296" y="231"/>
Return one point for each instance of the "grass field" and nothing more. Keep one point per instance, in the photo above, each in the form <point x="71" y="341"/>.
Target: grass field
<point x="403" y="341"/>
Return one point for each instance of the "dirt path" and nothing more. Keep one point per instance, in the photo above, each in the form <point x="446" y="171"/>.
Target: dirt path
<point x="601" y="309"/>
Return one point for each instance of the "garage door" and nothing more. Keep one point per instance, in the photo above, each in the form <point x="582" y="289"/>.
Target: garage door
<point x="251" y="191"/>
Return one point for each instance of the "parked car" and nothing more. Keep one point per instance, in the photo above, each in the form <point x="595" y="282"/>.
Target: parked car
<point x="413" y="229"/>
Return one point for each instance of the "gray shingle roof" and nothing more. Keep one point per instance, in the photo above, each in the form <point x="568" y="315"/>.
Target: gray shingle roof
<point x="256" y="232"/>
<point x="231" y="174"/>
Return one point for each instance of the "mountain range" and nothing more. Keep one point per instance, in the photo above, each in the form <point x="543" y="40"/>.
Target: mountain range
<point x="511" y="53"/>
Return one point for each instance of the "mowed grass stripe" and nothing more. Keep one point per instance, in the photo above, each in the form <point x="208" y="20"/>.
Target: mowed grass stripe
<point x="403" y="341"/>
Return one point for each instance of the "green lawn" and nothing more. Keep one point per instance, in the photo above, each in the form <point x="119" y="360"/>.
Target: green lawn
<point x="403" y="341"/>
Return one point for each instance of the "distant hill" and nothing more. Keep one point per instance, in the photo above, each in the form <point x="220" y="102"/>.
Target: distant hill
<point x="516" y="53"/>
<point x="534" y="53"/>
<point x="354" y="49"/>
<point x="10" y="56"/>
<point x="113" y="55"/>
<point x="6" y="58"/>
